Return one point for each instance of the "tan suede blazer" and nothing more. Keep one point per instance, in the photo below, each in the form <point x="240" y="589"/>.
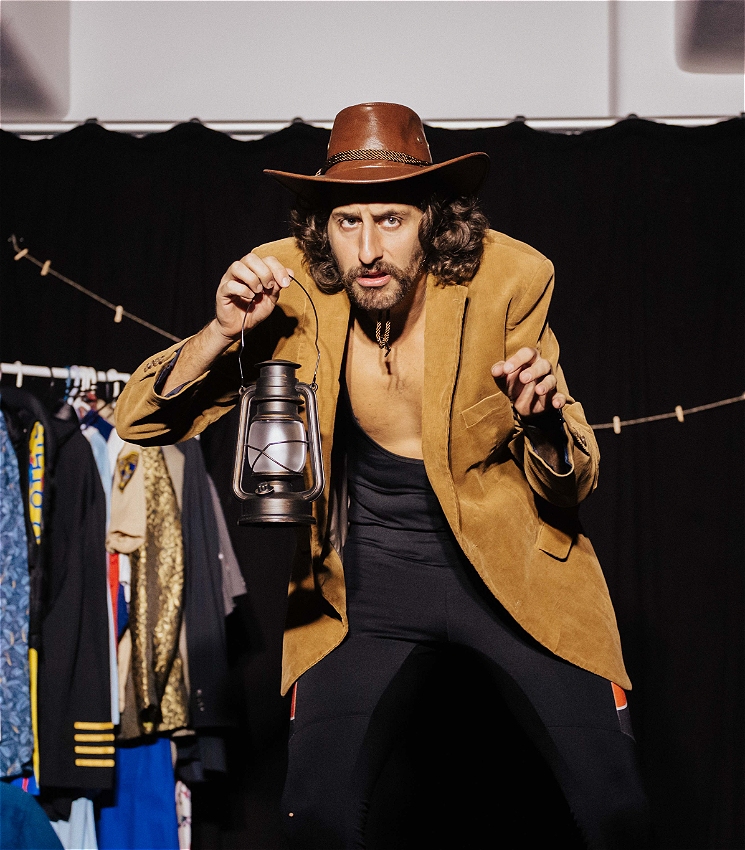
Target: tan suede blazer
<point x="514" y="517"/>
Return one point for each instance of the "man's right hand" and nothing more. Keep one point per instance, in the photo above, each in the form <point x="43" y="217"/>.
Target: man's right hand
<point x="247" y="293"/>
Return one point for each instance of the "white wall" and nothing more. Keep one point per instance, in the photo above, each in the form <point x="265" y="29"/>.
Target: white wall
<point x="277" y="60"/>
<point x="649" y="80"/>
<point x="34" y="59"/>
<point x="273" y="60"/>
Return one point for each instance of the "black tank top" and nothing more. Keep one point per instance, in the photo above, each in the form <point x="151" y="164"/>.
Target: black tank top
<point x="391" y="502"/>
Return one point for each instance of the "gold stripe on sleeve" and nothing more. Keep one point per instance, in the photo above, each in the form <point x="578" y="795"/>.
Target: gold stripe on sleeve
<point x="106" y="736"/>
<point x="95" y="751"/>
<point x="94" y="762"/>
<point x="84" y="724"/>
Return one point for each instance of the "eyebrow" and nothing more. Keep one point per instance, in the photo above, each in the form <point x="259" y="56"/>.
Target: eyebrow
<point x="390" y="211"/>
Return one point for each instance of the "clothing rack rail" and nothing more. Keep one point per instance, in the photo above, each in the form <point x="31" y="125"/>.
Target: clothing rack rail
<point x="84" y="376"/>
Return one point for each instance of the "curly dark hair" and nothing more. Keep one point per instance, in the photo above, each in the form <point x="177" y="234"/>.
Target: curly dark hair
<point x="451" y="234"/>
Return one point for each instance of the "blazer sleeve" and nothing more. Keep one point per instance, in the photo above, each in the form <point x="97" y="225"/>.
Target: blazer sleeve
<point x="527" y="325"/>
<point x="147" y="418"/>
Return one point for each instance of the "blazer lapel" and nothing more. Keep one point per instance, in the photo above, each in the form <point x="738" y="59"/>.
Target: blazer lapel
<point x="446" y="306"/>
<point x="333" y="323"/>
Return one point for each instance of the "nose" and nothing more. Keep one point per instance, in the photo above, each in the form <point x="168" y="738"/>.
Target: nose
<point x="370" y="247"/>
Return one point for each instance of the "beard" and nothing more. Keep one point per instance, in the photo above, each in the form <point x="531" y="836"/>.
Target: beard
<point x="400" y="285"/>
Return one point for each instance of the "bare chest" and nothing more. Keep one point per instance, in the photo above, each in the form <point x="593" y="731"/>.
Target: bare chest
<point x="386" y="392"/>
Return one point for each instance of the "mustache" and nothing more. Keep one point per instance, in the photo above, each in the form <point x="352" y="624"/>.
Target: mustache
<point x="379" y="268"/>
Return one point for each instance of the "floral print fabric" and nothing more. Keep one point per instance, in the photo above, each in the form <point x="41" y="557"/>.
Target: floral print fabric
<point x="16" y="735"/>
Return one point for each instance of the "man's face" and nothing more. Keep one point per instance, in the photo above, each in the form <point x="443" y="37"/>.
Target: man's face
<point x="377" y="250"/>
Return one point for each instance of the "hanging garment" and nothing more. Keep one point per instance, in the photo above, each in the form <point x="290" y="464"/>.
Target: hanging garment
<point x="27" y="784"/>
<point x="101" y="455"/>
<point x="113" y="668"/>
<point x="183" y="813"/>
<point x="198" y="756"/>
<point x="113" y="576"/>
<point x="94" y="419"/>
<point x="233" y="584"/>
<point x="156" y="698"/>
<point x="144" y="811"/>
<point x="175" y="463"/>
<point x="100" y="449"/>
<point x="33" y="437"/>
<point x="128" y="509"/>
<point x="16" y="734"/>
<point x="124" y="660"/>
<point x="75" y="726"/>
<point x="122" y="602"/>
<point x="24" y="824"/>
<point x="114" y="445"/>
<point x="79" y="831"/>
<point x="210" y="698"/>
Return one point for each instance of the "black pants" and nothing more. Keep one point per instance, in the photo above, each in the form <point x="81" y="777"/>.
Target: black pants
<point x="408" y="595"/>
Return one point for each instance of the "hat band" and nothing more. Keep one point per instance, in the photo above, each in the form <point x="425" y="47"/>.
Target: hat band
<point x="370" y="153"/>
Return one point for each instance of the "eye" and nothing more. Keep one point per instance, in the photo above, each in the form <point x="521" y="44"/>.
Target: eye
<point x="391" y="221"/>
<point x="348" y="222"/>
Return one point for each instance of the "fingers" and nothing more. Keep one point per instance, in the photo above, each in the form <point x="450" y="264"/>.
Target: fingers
<point x="558" y="400"/>
<point x="525" y="365"/>
<point x="528" y="381"/>
<point x="251" y="277"/>
<point x="248" y="291"/>
<point x="516" y="364"/>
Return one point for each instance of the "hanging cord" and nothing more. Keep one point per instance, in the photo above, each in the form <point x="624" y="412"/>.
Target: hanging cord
<point x="678" y="414"/>
<point x="313" y="385"/>
<point x="382" y="335"/>
<point x="262" y="451"/>
<point x="119" y="311"/>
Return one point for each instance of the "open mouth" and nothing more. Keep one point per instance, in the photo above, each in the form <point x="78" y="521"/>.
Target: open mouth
<point x="373" y="279"/>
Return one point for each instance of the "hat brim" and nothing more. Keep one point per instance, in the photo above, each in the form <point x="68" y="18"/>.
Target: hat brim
<point x="456" y="177"/>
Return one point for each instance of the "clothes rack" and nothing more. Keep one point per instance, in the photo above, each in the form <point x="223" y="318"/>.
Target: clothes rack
<point x="79" y="373"/>
<point x="84" y="376"/>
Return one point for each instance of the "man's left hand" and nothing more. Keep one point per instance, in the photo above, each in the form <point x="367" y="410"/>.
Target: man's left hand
<point x="529" y="383"/>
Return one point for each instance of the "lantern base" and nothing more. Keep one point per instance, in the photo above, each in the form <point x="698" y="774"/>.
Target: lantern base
<point x="258" y="511"/>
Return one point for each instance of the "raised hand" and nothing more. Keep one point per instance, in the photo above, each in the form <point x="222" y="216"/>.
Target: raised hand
<point x="528" y="381"/>
<point x="247" y="293"/>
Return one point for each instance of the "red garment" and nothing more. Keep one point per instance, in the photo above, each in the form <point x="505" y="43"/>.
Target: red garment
<point x="114" y="583"/>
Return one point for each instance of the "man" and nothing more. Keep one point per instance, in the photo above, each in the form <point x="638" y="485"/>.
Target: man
<point x="457" y="459"/>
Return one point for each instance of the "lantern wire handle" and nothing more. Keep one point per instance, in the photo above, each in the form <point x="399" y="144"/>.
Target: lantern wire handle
<point x="314" y="384"/>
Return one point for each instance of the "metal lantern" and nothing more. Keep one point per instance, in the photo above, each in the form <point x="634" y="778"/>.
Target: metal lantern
<point x="274" y="448"/>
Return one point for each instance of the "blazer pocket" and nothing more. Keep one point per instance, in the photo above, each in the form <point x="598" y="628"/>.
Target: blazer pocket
<point x="489" y="424"/>
<point x="497" y="405"/>
<point x="554" y="542"/>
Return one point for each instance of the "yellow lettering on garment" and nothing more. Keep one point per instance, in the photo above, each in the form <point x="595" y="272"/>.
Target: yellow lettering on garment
<point x="36" y="478"/>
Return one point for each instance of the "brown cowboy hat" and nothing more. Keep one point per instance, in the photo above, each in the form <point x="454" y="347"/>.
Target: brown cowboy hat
<point x="376" y="144"/>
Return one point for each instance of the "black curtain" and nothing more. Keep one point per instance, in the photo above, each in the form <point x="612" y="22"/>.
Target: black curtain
<point x="645" y="225"/>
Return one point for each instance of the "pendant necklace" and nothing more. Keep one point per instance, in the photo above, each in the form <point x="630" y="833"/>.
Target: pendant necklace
<point x="383" y="330"/>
